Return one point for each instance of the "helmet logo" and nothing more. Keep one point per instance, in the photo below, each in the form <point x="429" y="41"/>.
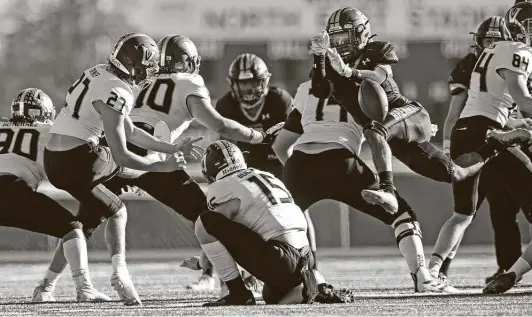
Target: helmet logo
<point x="147" y="55"/>
<point x="513" y="14"/>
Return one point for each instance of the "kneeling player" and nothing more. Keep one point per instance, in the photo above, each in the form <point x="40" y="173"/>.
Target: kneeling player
<point x="326" y="153"/>
<point x="254" y="222"/>
<point x="21" y="206"/>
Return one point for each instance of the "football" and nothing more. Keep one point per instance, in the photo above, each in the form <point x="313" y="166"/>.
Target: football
<point x="373" y="100"/>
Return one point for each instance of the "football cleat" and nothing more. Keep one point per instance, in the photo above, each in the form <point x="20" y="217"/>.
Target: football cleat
<point x="123" y="285"/>
<point x="43" y="293"/>
<point x="509" y="138"/>
<point x="85" y="291"/>
<point x="496" y="274"/>
<point x="251" y="282"/>
<point x="500" y="284"/>
<point x="205" y="283"/>
<point x="432" y="286"/>
<point x="380" y="197"/>
<point x="234" y="299"/>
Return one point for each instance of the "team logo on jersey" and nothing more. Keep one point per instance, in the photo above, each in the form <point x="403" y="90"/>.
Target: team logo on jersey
<point x="364" y="62"/>
<point x="265" y="116"/>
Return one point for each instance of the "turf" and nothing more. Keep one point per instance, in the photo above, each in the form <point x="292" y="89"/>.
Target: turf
<point x="379" y="277"/>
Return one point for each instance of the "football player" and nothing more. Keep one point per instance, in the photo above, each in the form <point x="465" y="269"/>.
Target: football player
<point x="503" y="209"/>
<point x="174" y="97"/>
<point x="254" y="222"/>
<point x="327" y="144"/>
<point x="344" y="55"/>
<point x="100" y="102"/>
<point x="253" y="103"/>
<point x="21" y="173"/>
<point x="499" y="79"/>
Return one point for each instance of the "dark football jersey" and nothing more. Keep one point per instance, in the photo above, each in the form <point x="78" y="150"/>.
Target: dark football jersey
<point x="461" y="74"/>
<point x="277" y="105"/>
<point x="346" y="90"/>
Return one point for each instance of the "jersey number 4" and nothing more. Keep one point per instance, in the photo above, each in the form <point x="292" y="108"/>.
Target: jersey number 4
<point x="25" y="142"/>
<point x="481" y="68"/>
<point x="266" y="184"/>
<point x="160" y="83"/>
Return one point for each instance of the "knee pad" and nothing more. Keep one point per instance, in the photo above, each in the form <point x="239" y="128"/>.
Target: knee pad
<point x="376" y="127"/>
<point x="405" y="226"/>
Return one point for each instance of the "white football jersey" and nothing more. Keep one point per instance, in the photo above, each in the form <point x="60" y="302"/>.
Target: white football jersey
<point x="165" y="99"/>
<point x="21" y="154"/>
<point x="78" y="118"/>
<point x="325" y="122"/>
<point x="266" y="206"/>
<point x="488" y="95"/>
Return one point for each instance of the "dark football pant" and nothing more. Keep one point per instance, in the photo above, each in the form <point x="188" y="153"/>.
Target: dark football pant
<point x="503" y="213"/>
<point x="279" y="265"/>
<point x="81" y="172"/>
<point x="176" y="190"/>
<point x="23" y="208"/>
<point x="512" y="165"/>
<point x="338" y="175"/>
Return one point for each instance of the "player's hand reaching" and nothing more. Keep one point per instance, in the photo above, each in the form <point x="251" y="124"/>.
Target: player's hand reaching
<point x="189" y="149"/>
<point x="319" y="44"/>
<point x="192" y="263"/>
<point x="338" y="64"/>
<point x="172" y="163"/>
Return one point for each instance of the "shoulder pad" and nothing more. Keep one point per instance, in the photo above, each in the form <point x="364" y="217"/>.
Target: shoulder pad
<point x="381" y="53"/>
<point x="284" y="96"/>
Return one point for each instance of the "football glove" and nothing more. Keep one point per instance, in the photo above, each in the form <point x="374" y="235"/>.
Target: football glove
<point x="319" y="44"/>
<point x="272" y="133"/>
<point x="338" y="64"/>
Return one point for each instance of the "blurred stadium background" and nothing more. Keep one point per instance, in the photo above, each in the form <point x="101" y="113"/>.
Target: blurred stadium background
<point x="47" y="43"/>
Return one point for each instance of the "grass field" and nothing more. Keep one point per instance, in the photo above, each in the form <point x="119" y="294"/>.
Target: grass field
<point x="378" y="275"/>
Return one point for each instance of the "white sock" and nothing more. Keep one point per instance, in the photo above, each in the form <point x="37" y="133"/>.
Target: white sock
<point x="51" y="279"/>
<point x="222" y="261"/>
<point x="119" y="262"/>
<point x="76" y="255"/>
<point x="520" y="267"/>
<point x="451" y="235"/>
<point x="410" y="246"/>
<point x="435" y="263"/>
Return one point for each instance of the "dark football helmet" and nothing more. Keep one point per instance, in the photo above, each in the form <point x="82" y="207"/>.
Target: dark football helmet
<point x="178" y="55"/>
<point x="249" y="78"/>
<point x="136" y="58"/>
<point x="349" y="32"/>
<point x="519" y="22"/>
<point x="221" y="158"/>
<point x="490" y="30"/>
<point x="32" y="105"/>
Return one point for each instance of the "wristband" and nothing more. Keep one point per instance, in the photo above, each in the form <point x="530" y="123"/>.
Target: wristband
<point x="348" y="72"/>
<point x="446" y="144"/>
<point x="355" y="74"/>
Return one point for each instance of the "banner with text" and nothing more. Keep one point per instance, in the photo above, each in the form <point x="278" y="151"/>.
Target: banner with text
<point x="252" y="20"/>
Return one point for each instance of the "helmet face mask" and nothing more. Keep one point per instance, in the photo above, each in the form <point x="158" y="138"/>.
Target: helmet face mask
<point x="32" y="105"/>
<point x="249" y="79"/>
<point x="349" y="32"/>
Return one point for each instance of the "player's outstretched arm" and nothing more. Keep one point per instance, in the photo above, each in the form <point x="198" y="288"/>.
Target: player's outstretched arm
<point x="145" y="140"/>
<point x="517" y="87"/>
<point x="113" y="124"/>
<point x="202" y="110"/>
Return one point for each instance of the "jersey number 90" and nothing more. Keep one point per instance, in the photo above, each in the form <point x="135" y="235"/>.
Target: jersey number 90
<point x="23" y="142"/>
